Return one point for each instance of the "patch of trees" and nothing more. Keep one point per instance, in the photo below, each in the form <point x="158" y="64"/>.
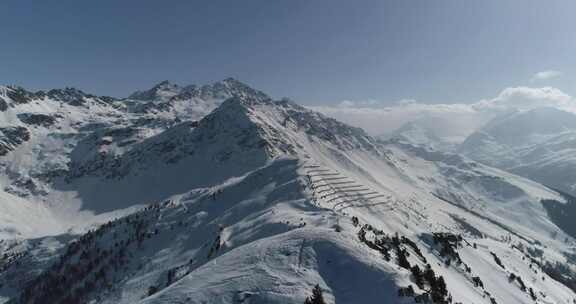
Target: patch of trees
<point x="521" y="282"/>
<point x="477" y="282"/>
<point x="514" y="277"/>
<point x="532" y="294"/>
<point x="402" y="256"/>
<point x="497" y="260"/>
<point x="408" y="242"/>
<point x="425" y="279"/>
<point x="316" y="297"/>
<point x="215" y="246"/>
<point x="448" y="244"/>
<point x="562" y="214"/>
<point x="355" y="221"/>
<point x="176" y="273"/>
<point x="89" y="263"/>
<point x="561" y="273"/>
<point x="152" y="290"/>
<point x="406" y="291"/>
<point x="382" y="244"/>
<point x="428" y="280"/>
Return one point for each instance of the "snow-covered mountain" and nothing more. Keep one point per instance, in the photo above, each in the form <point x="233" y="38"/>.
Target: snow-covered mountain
<point x="258" y="202"/>
<point x="416" y="133"/>
<point x="53" y="144"/>
<point x="539" y="144"/>
<point x="173" y="101"/>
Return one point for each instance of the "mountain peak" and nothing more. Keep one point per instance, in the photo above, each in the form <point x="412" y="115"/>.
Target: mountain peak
<point x="231" y="80"/>
<point x="230" y="87"/>
<point x="163" y="83"/>
<point x="164" y="90"/>
<point x="166" y="85"/>
<point x="220" y="90"/>
<point x="15" y="95"/>
<point x="284" y="123"/>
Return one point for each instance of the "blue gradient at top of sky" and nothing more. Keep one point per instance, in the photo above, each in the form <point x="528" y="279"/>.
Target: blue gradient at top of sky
<point x="315" y="51"/>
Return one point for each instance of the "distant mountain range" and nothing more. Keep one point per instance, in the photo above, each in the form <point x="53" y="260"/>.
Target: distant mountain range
<point x="538" y="144"/>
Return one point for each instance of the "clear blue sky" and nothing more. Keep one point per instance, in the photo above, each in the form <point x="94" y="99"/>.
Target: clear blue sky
<point x="315" y="51"/>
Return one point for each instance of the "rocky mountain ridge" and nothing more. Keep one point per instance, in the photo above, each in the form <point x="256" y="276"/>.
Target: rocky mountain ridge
<point x="259" y="201"/>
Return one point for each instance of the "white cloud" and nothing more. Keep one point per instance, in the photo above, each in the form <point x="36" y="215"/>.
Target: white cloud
<point x="382" y="120"/>
<point x="371" y="103"/>
<point x="523" y="98"/>
<point x="546" y="75"/>
<point x="453" y="121"/>
<point x="358" y="103"/>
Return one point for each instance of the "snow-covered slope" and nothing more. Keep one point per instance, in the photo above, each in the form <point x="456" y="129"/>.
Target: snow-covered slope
<point x="539" y="144"/>
<point x="38" y="131"/>
<point x="261" y="200"/>
<point x="62" y="150"/>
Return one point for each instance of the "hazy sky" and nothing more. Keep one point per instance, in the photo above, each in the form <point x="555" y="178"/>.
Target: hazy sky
<point x="316" y="52"/>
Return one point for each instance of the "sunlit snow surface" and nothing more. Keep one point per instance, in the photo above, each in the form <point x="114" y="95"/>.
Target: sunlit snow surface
<point x="255" y="205"/>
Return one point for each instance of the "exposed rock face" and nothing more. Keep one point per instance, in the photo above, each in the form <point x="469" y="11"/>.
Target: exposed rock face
<point x="11" y="138"/>
<point x="37" y="119"/>
<point x="3" y="105"/>
<point x="20" y="96"/>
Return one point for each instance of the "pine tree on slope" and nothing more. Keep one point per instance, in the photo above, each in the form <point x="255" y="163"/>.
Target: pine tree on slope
<point x="316" y="297"/>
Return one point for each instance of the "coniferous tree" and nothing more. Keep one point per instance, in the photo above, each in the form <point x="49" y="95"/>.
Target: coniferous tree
<point x="152" y="290"/>
<point x="417" y="273"/>
<point x="439" y="291"/>
<point x="532" y="294"/>
<point x="355" y="221"/>
<point x="402" y="260"/>
<point x="429" y="275"/>
<point x="317" y="297"/>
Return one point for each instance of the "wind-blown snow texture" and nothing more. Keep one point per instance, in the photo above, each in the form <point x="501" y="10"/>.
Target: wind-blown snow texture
<point x="219" y="194"/>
